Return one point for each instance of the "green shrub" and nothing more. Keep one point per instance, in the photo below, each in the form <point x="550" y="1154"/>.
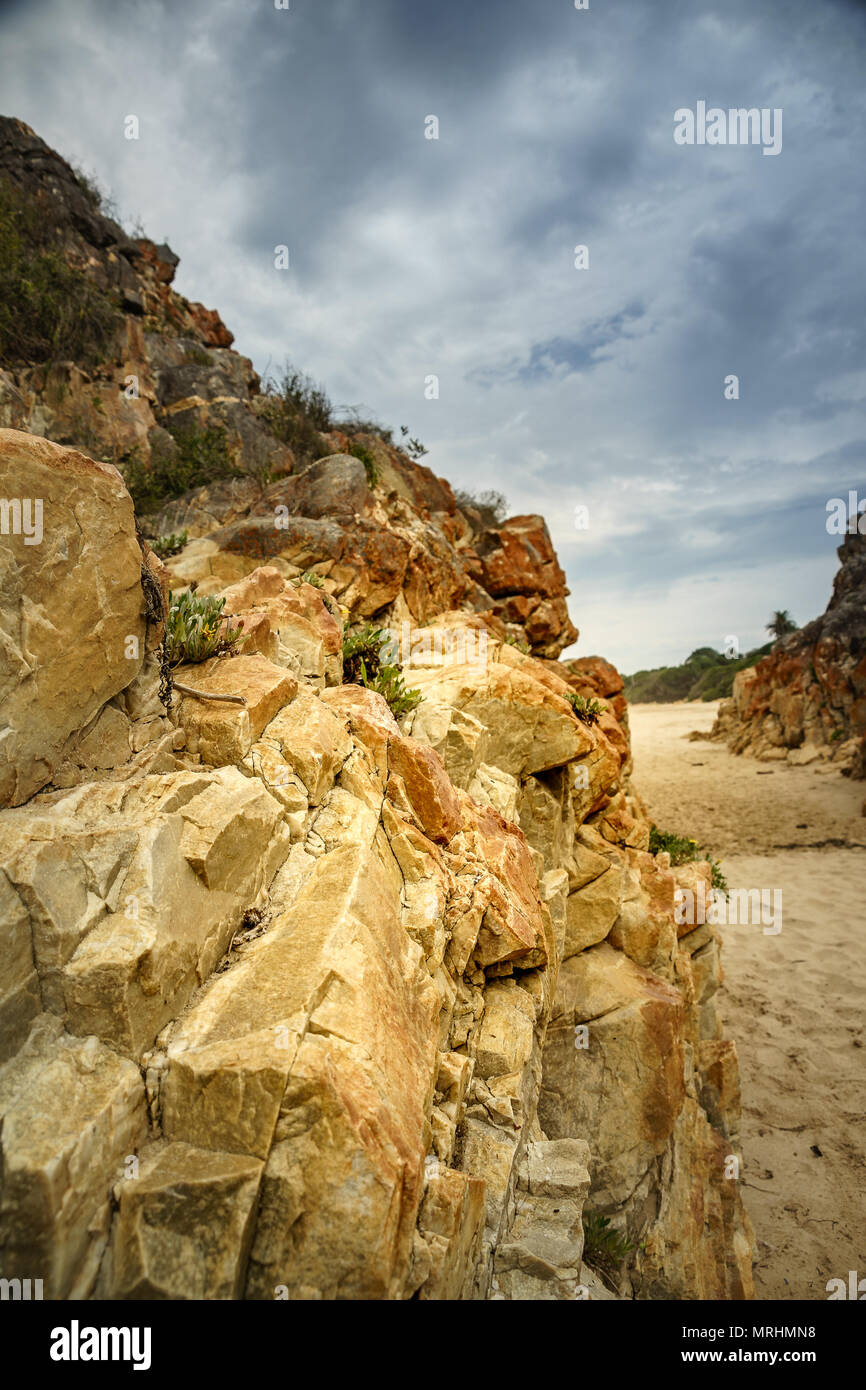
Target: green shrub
<point x="164" y="546"/>
<point x="604" y="1249"/>
<point x="511" y="641"/>
<point x="49" y="311"/>
<point x="587" y="711"/>
<point x="309" y="577"/>
<point x="413" y="447"/>
<point x="683" y="850"/>
<point x="197" y="629"/>
<point x="202" y="456"/>
<point x="360" y="451"/>
<point x="363" y="664"/>
<point x="297" y="412"/>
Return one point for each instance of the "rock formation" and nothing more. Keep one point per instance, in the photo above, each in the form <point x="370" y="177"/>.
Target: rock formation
<point x="302" y="1000"/>
<point x="806" y="700"/>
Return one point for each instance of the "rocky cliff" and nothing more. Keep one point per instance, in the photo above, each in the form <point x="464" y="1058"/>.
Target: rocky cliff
<point x="302" y="999"/>
<point x="806" y="700"/>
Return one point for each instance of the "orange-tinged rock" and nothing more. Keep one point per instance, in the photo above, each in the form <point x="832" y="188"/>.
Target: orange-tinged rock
<point x="223" y="732"/>
<point x="428" y="786"/>
<point x="369" y="717"/>
<point x="519" y="558"/>
<point x="601" y="676"/>
<point x="514" y="924"/>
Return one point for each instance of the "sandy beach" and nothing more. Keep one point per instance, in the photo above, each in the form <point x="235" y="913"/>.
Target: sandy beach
<point x="794" y="1002"/>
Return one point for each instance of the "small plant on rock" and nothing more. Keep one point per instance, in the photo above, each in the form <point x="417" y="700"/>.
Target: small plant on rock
<point x="363" y="664"/>
<point x="197" y="629"/>
<point x="587" y="711"/>
<point x="360" y="451"/>
<point x="684" y="850"/>
<point x="718" y="878"/>
<point x="604" y="1248"/>
<point x="511" y="641"/>
<point x="308" y="577"/>
<point x="172" y="544"/>
<point x="413" y="447"/>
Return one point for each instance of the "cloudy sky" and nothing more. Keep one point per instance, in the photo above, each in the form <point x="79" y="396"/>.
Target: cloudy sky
<point x="599" y="388"/>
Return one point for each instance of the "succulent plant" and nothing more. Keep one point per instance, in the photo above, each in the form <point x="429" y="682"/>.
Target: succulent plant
<point x="587" y="711"/>
<point x="363" y="665"/>
<point x="197" y="628"/>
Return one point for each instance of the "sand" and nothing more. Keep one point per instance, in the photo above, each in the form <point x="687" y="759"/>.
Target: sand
<point x="793" y="1002"/>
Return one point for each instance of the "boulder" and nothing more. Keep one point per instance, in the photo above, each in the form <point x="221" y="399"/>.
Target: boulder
<point x="73" y="1112"/>
<point x="72" y="623"/>
<point x="223" y="732"/>
<point x="183" y="1226"/>
<point x="333" y="486"/>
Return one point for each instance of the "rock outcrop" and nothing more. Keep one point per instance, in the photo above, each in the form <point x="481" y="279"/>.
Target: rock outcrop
<point x="304" y="1003"/>
<point x="806" y="700"/>
<point x="167" y="387"/>
<point x="302" y="1000"/>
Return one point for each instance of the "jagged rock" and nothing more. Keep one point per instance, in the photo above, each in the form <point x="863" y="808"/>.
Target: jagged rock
<point x="806" y="699"/>
<point x="71" y="605"/>
<point x="223" y="733"/>
<point x="623" y="1091"/>
<point x="292" y="623"/>
<point x="542" y="1258"/>
<point x="335" y="486"/>
<point x="592" y="910"/>
<point x="313" y="742"/>
<point x="183" y="1225"/>
<point x="20" y="1001"/>
<point x="427" y="787"/>
<point x="450" y="1227"/>
<point x="73" y="1111"/>
<point x="530" y="725"/>
<point x="519" y="568"/>
<point x="108" y="874"/>
<point x="302" y="1001"/>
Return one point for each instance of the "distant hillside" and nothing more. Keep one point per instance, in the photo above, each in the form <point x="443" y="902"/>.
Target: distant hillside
<point x="705" y="675"/>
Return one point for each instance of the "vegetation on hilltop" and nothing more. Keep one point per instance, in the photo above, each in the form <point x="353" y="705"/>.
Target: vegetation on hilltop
<point x="298" y="412"/>
<point x="705" y="675"/>
<point x="49" y="310"/>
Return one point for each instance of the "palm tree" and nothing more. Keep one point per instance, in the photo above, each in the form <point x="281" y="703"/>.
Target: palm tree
<point x="781" y="624"/>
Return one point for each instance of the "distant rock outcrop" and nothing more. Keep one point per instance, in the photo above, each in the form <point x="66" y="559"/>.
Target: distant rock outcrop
<point x="807" y="699"/>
